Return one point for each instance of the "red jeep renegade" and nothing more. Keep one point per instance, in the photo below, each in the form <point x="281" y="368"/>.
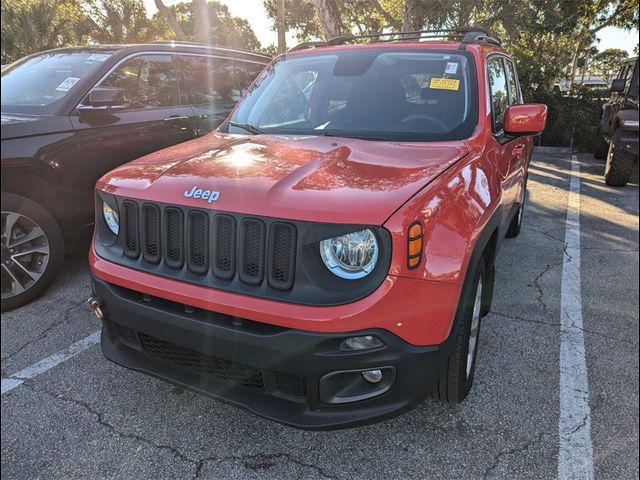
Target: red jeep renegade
<point x="324" y="258"/>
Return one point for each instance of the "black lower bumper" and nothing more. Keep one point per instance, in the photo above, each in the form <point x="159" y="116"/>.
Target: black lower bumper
<point x="283" y="374"/>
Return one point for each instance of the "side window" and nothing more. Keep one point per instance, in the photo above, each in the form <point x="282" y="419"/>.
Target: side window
<point x="499" y="92"/>
<point x="247" y="74"/>
<point x="628" y="77"/>
<point x="149" y="80"/>
<point x="209" y="80"/>
<point x="514" y="90"/>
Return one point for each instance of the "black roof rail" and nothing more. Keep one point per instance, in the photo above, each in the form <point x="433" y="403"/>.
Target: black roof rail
<point x="188" y="43"/>
<point x="465" y="35"/>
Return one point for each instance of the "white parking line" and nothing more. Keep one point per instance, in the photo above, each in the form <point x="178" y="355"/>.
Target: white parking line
<point x="48" y="363"/>
<point x="575" y="458"/>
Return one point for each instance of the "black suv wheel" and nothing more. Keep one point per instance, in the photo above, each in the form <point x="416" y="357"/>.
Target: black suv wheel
<point x="619" y="164"/>
<point x="32" y="250"/>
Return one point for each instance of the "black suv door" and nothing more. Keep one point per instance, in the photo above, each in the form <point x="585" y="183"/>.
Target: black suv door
<point x="155" y="116"/>
<point x="213" y="88"/>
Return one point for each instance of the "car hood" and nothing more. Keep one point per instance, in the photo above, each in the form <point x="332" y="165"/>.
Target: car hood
<point x="319" y="178"/>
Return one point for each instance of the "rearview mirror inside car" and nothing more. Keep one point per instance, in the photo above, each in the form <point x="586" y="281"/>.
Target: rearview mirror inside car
<point x="617" y="86"/>
<point x="525" y="120"/>
<point x="105" y="98"/>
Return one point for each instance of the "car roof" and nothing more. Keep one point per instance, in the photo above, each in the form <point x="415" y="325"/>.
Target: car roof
<point x="166" y="46"/>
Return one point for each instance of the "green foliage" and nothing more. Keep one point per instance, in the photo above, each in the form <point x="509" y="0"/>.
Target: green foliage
<point x="607" y="63"/>
<point x="33" y="26"/>
<point x="225" y="29"/>
<point x="121" y="21"/>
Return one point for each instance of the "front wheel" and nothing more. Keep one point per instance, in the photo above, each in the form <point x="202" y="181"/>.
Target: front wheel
<point x="32" y="250"/>
<point x="619" y="166"/>
<point x="454" y="384"/>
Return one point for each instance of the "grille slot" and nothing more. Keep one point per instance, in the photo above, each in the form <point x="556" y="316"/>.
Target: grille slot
<point x="282" y="255"/>
<point x="151" y="233"/>
<point x="174" y="237"/>
<point x="131" y="242"/>
<point x="226" y="371"/>
<point x="224" y="246"/>
<point x="252" y="242"/>
<point x="291" y="384"/>
<point x="198" y="241"/>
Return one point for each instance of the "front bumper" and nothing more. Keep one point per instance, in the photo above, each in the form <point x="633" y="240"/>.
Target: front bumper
<point x="272" y="371"/>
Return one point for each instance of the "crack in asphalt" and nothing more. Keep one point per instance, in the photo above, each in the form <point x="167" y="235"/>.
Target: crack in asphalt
<point x="260" y="461"/>
<point x="555" y="324"/>
<point x="65" y="317"/>
<point x="540" y="289"/>
<point x="511" y="451"/>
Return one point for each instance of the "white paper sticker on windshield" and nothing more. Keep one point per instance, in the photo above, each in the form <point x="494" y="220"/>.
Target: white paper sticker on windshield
<point x="451" y="68"/>
<point x="67" y="84"/>
<point x="99" y="57"/>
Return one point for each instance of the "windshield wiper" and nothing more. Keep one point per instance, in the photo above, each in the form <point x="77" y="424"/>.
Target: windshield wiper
<point x="247" y="126"/>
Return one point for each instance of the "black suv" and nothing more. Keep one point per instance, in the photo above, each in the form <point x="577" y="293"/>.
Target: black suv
<point x="618" y="129"/>
<point x="70" y="115"/>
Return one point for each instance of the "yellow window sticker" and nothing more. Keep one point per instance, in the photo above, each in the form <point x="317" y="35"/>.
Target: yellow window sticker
<point x="445" y="84"/>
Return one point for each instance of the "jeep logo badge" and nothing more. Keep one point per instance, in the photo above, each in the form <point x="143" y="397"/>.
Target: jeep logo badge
<point x="208" y="195"/>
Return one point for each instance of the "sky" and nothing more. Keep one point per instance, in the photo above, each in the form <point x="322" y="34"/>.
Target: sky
<point x="253" y="11"/>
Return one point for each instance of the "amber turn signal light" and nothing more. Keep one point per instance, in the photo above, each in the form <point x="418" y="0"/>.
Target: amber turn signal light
<point x="414" y="245"/>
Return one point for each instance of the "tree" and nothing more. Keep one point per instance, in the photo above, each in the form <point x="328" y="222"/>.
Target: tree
<point x="120" y="21"/>
<point x="221" y="27"/>
<point x="329" y="17"/>
<point x="34" y="26"/>
<point x="607" y="63"/>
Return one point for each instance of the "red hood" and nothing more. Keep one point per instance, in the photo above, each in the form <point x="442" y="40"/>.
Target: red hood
<point x="322" y="179"/>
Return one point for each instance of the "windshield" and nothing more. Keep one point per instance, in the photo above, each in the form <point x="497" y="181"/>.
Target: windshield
<point x="39" y="84"/>
<point x="404" y="95"/>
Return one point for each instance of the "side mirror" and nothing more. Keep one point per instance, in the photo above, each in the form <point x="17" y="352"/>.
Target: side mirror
<point x="525" y="120"/>
<point x="105" y="99"/>
<point x="617" y="86"/>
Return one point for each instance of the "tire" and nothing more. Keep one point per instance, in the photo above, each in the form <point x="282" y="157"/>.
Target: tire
<point x="32" y="250"/>
<point x="601" y="148"/>
<point x="454" y="384"/>
<point x="619" y="166"/>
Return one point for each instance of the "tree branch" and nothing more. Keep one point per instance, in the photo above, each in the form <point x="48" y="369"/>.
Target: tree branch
<point x="168" y="14"/>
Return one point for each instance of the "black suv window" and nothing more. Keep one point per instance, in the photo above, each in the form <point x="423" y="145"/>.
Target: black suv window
<point x="248" y="72"/>
<point x="210" y="80"/>
<point x="150" y="81"/>
<point x="499" y="92"/>
<point x="633" y="87"/>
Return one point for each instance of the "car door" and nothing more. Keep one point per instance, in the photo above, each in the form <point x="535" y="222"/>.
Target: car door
<point x="508" y="153"/>
<point x="155" y="117"/>
<point x="212" y="88"/>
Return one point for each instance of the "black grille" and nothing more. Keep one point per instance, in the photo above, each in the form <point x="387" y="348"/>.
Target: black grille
<point x="224" y="246"/>
<point x="130" y="224"/>
<point x="198" y="235"/>
<point x="252" y="242"/>
<point x="282" y="249"/>
<point x="291" y="384"/>
<point x="174" y="238"/>
<point x="211" y="243"/>
<point x="151" y="233"/>
<point x="226" y="371"/>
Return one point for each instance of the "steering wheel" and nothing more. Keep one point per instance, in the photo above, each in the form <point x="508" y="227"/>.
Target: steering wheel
<point x="429" y="118"/>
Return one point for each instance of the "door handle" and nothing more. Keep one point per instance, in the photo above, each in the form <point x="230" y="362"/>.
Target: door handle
<point x="176" y="118"/>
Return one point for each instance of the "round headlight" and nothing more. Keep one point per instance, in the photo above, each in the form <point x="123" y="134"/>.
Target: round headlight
<point x="111" y="218"/>
<point x="350" y="256"/>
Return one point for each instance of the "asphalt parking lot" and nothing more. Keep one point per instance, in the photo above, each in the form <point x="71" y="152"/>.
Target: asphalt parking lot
<point x="88" y="418"/>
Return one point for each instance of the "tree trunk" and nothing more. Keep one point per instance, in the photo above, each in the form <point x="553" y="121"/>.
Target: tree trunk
<point x="574" y="62"/>
<point x="281" y="26"/>
<point x="412" y="20"/>
<point x="329" y="17"/>
<point x="168" y="14"/>
<point x="201" y="20"/>
<point x="391" y="22"/>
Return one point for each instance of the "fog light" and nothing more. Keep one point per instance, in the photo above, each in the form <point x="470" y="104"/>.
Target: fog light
<point x="372" y="376"/>
<point x="361" y="343"/>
